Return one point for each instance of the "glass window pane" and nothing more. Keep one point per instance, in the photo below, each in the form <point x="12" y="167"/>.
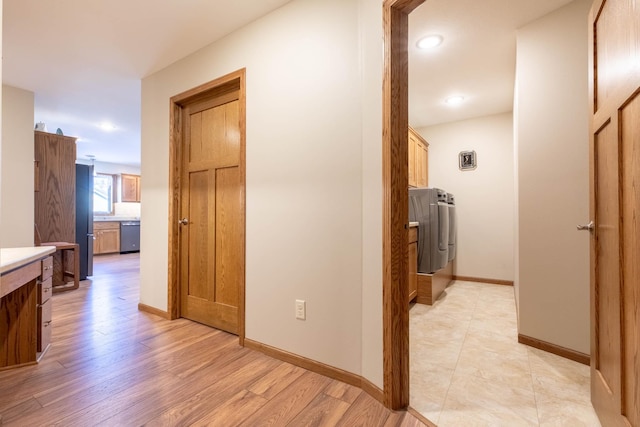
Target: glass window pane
<point x="103" y="193"/>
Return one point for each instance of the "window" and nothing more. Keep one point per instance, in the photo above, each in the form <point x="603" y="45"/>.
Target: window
<point x="103" y="193"/>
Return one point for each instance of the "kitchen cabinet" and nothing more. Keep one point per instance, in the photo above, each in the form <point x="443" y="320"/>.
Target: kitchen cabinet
<point x="106" y="237"/>
<point x="418" y="160"/>
<point x="130" y="188"/>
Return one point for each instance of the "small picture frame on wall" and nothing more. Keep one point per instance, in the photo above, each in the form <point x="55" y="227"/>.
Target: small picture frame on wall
<point x="467" y="160"/>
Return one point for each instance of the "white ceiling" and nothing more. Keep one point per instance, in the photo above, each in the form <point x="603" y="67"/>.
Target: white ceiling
<point x="84" y="59"/>
<point x="476" y="60"/>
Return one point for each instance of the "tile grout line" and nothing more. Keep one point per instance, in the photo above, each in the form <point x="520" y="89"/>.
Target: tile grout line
<point x="446" y="394"/>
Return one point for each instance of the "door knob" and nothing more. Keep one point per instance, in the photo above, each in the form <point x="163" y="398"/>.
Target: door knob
<point x="183" y="221"/>
<point x="588" y="227"/>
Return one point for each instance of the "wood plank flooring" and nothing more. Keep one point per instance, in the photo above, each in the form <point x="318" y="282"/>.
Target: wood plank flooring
<point x="112" y="365"/>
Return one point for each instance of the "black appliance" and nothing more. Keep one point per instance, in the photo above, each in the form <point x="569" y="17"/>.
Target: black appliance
<point x="84" y="218"/>
<point x="129" y="236"/>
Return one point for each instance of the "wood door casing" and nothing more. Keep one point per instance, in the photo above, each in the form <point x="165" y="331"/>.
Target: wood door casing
<point x="395" y="213"/>
<point x="211" y="255"/>
<point x="614" y="55"/>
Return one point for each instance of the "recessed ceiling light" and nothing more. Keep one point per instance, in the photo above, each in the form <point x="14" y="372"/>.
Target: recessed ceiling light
<point x="430" y="42"/>
<point x="454" y="100"/>
<point x="107" y="127"/>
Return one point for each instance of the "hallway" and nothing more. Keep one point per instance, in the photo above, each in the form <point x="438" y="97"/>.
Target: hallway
<point x="112" y="365"/>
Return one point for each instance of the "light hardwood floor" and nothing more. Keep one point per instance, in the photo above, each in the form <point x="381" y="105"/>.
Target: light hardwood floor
<point x="112" y="365"/>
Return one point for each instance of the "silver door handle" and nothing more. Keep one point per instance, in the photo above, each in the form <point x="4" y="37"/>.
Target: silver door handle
<point x="588" y="227"/>
<point x="183" y="221"/>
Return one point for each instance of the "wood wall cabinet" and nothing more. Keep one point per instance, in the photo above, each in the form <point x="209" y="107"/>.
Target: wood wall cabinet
<point x="418" y="160"/>
<point x="106" y="237"/>
<point x="55" y="187"/>
<point x="130" y="186"/>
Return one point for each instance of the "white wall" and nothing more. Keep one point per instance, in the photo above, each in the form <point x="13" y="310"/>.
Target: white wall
<point x="305" y="166"/>
<point x="552" y="133"/>
<point x="371" y="60"/>
<point x="1" y="139"/>
<point x="111" y="168"/>
<point x="16" y="182"/>
<point x="484" y="196"/>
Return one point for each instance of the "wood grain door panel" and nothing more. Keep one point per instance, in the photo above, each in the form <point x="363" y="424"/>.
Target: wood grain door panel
<point x="630" y="133"/>
<point x="607" y="286"/>
<point x="228" y="236"/>
<point x="614" y="55"/>
<point x="212" y="245"/>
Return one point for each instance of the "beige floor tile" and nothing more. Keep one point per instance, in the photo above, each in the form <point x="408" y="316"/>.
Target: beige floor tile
<point x="511" y="370"/>
<point x="554" y="412"/>
<point x="498" y="343"/>
<point x="478" y="401"/>
<point x="428" y="390"/>
<point x="467" y="368"/>
<point x="496" y="325"/>
<point x="556" y="376"/>
<point x="425" y="355"/>
<point x="435" y="331"/>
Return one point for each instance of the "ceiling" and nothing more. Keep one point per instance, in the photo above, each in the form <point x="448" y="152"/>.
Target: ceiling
<point x="84" y="59"/>
<point x="476" y="60"/>
<point x="85" y="64"/>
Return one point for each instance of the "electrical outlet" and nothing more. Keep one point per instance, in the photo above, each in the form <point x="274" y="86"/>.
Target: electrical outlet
<point x="301" y="309"/>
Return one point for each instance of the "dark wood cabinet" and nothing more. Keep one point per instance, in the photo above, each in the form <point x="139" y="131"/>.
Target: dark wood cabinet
<point x="55" y="187"/>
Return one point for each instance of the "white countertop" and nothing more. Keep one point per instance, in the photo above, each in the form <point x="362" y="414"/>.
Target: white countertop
<point x="414" y="224"/>
<point x="115" y="218"/>
<point x="12" y="258"/>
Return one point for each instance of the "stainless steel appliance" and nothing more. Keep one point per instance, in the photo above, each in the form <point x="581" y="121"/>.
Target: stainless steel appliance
<point x="429" y="207"/>
<point x="129" y="236"/>
<point x="451" y="201"/>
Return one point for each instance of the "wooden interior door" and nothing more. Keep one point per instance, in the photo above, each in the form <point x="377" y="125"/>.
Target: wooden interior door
<point x="212" y="211"/>
<point x="615" y="204"/>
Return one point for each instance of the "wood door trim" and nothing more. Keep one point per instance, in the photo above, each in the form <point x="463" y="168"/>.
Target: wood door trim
<point x="237" y="80"/>
<point x="395" y="126"/>
<point x="483" y="280"/>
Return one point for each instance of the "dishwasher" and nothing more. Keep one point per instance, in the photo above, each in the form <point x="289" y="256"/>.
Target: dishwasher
<point x="129" y="236"/>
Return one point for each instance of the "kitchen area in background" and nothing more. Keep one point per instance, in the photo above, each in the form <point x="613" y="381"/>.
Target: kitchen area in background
<point x="108" y="198"/>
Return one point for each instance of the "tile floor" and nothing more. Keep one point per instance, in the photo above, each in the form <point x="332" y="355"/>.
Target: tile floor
<point x="468" y="369"/>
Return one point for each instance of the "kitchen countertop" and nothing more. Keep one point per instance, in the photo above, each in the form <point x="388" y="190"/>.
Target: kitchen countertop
<point x="12" y="258"/>
<point x="115" y="218"/>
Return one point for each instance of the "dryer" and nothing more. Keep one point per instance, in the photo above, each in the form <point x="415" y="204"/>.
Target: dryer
<point x="452" y="226"/>
<point x="429" y="207"/>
